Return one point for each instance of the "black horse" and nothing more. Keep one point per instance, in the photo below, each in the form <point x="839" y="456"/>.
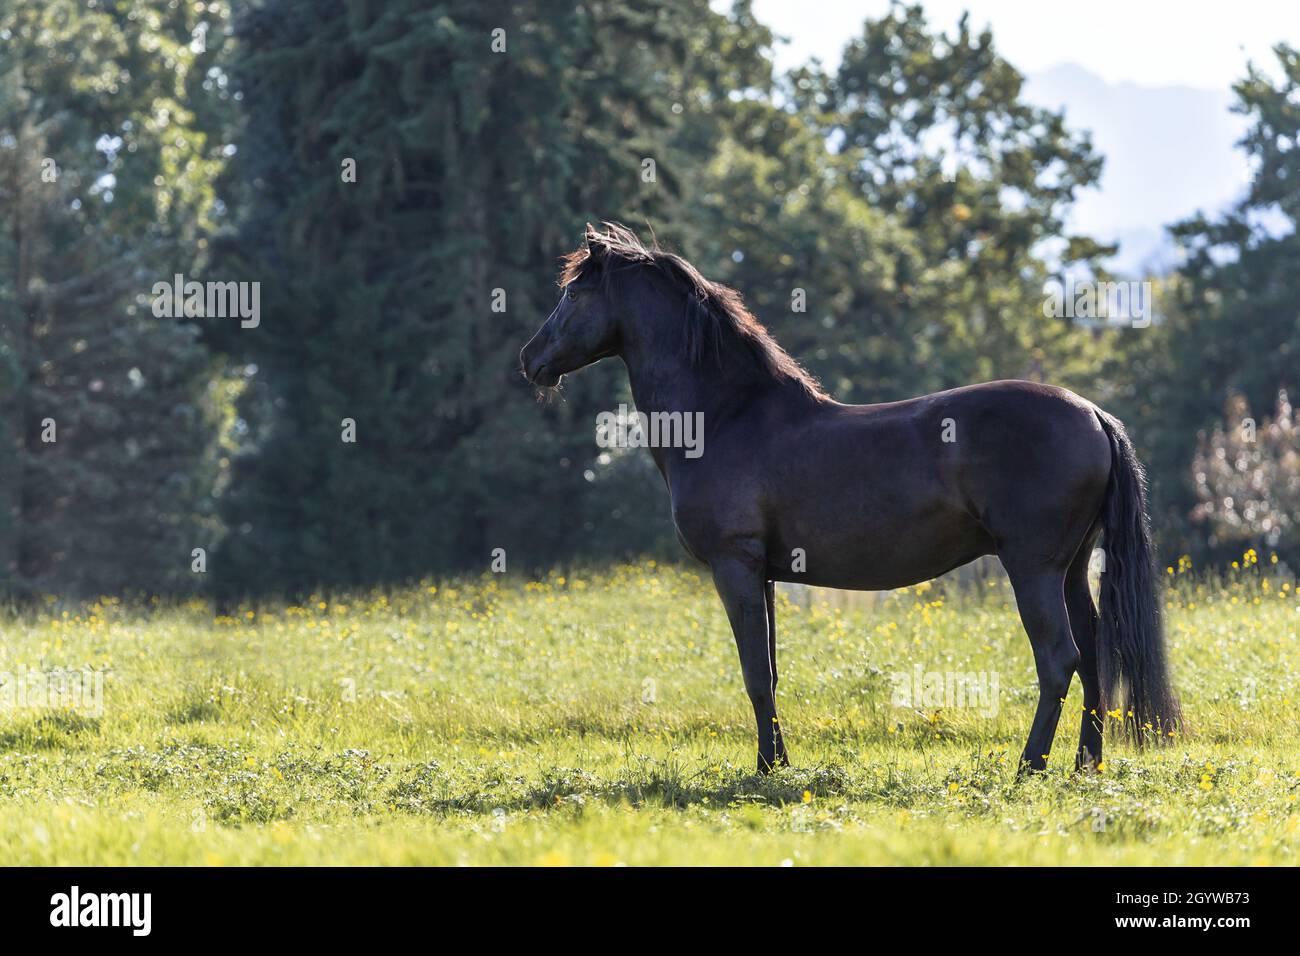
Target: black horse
<point x="794" y="486"/>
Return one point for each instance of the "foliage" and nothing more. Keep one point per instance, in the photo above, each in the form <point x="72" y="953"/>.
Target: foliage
<point x="1248" y="478"/>
<point x="893" y="221"/>
<point x="1233" y="326"/>
<point x="107" y="154"/>
<point x="453" y="141"/>
<point x="475" y="169"/>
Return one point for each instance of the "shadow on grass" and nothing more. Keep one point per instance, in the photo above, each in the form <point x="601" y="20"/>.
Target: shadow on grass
<point x="54" y="730"/>
<point x="430" y="790"/>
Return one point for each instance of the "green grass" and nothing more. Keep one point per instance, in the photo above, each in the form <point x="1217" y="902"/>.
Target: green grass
<point x="602" y="719"/>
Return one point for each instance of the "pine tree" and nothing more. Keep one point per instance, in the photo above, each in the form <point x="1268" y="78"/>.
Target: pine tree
<point x="106" y="415"/>
<point x="482" y="137"/>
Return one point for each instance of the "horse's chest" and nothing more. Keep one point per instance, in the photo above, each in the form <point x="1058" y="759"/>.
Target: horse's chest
<point x="693" y="530"/>
<point x="712" y="521"/>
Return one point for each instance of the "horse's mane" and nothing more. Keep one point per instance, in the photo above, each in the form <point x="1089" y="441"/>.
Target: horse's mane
<point x="713" y="311"/>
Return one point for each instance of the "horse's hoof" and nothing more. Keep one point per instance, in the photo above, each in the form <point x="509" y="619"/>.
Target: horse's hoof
<point x="764" y="767"/>
<point x="1031" y="767"/>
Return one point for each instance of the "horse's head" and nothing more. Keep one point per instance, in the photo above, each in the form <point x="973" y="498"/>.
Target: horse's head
<point x="583" y="327"/>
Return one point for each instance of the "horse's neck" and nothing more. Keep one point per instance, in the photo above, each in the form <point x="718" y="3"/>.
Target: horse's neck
<point x="660" y="384"/>
<point x="671" y="384"/>
<point x="664" y="379"/>
<point x="661" y="387"/>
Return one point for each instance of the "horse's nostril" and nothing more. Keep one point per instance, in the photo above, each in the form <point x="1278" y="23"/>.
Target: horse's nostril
<point x="531" y="368"/>
<point x="543" y="376"/>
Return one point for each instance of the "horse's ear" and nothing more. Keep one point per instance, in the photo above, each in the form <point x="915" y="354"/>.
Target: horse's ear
<point x="594" y="242"/>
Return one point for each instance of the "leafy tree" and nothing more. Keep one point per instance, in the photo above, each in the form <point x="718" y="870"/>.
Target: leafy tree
<point x="1247" y="478"/>
<point x="104" y="409"/>
<point x="912" y="200"/>
<point x="1233" y="324"/>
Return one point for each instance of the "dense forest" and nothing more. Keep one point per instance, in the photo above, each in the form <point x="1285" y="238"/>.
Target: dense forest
<point x="400" y="178"/>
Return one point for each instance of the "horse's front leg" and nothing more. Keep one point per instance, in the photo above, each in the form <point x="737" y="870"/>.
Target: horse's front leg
<point x="769" y="597"/>
<point x="742" y="585"/>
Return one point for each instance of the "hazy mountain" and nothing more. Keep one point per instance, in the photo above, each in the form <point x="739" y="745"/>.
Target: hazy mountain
<point x="1169" y="152"/>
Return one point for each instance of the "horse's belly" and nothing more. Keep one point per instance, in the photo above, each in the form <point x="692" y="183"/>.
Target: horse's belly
<point x="876" y="555"/>
<point x="872" y="575"/>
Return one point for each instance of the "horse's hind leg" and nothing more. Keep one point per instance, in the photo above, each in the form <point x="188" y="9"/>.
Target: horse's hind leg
<point x="1083" y="626"/>
<point x="769" y="597"/>
<point x="1040" y="596"/>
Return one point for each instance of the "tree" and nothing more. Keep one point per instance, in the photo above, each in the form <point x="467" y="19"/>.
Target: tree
<point x="908" y="204"/>
<point x="482" y="137"/>
<point x="105" y="415"/>
<point x="1233" y="324"/>
<point x="1247" y="478"/>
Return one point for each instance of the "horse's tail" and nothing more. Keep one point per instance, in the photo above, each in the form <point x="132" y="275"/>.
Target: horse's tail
<point x="1130" y="640"/>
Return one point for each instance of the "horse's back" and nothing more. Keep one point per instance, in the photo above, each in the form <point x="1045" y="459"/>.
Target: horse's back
<point x="1025" y="457"/>
<point x="918" y="486"/>
<point x="882" y="495"/>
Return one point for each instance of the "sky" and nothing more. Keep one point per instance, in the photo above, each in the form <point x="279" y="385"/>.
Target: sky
<point x="1149" y="79"/>
<point x="1197" y="43"/>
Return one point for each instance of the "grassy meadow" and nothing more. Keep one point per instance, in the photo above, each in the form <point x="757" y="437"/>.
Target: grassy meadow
<point x="599" y="718"/>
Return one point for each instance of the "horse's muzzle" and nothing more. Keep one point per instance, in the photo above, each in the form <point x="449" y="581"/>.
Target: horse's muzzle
<point x="537" y="371"/>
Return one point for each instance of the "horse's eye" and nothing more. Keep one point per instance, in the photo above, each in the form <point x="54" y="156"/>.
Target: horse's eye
<point x="570" y="294"/>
